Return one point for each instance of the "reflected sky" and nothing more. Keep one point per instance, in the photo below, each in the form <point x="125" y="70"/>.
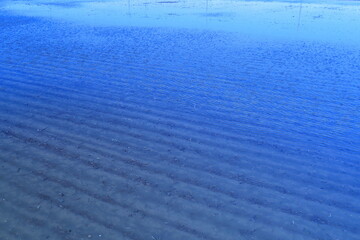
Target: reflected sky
<point x="299" y="20"/>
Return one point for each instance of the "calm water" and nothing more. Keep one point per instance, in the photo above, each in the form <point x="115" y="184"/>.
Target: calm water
<point x="167" y="120"/>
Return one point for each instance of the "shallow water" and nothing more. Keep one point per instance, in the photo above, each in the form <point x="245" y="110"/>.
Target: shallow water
<point x="334" y="21"/>
<point x="179" y="120"/>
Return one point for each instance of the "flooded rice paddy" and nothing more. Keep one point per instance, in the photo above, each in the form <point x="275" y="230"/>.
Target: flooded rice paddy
<point x="167" y="120"/>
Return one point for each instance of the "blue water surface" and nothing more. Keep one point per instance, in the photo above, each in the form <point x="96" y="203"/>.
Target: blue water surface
<point x="218" y="119"/>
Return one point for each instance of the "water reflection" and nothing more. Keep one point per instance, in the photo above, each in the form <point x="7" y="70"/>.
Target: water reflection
<point x="334" y="21"/>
